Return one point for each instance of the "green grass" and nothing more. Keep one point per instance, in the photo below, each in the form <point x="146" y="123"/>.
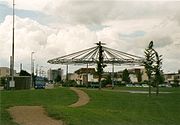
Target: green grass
<point x="46" y="98"/>
<point x="105" y="107"/>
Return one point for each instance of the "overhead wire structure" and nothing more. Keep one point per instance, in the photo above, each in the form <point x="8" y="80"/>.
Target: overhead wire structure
<point x="91" y="55"/>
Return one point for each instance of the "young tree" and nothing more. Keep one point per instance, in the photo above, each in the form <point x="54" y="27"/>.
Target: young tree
<point x="100" y="64"/>
<point x="158" y="71"/>
<point x="58" y="78"/>
<point x="125" y="76"/>
<point x="148" y="63"/>
<point x="139" y="76"/>
<point x="153" y="64"/>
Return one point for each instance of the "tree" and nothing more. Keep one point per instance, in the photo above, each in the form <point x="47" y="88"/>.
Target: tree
<point x="153" y="65"/>
<point x="107" y="80"/>
<point x="100" y="64"/>
<point x="158" y="71"/>
<point x="139" y="76"/>
<point x="148" y="63"/>
<point x="58" y="78"/>
<point x="125" y="76"/>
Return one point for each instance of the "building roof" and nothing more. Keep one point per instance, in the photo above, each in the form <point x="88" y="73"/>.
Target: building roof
<point x="85" y="70"/>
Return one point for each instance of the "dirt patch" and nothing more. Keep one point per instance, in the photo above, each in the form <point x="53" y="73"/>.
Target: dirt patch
<point x="83" y="98"/>
<point x="32" y="115"/>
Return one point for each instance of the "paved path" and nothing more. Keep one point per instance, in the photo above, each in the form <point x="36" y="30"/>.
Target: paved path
<point x="83" y="98"/>
<point x="134" y="91"/>
<point x="32" y="115"/>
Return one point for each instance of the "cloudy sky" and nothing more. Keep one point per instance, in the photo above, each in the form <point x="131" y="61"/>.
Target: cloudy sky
<point x="53" y="28"/>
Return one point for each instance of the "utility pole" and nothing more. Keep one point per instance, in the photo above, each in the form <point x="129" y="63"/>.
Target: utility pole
<point x="67" y="73"/>
<point x="12" y="82"/>
<point x="112" y="75"/>
<point x="32" y="68"/>
<point x="87" y="76"/>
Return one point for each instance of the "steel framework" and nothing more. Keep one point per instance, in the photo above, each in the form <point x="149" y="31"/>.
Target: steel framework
<point x="91" y="56"/>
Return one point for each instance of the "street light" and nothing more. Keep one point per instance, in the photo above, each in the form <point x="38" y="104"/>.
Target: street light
<point x="32" y="68"/>
<point x="12" y="82"/>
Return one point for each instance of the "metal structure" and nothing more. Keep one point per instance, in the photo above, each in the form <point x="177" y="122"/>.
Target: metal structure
<point x="12" y="82"/>
<point x="91" y="56"/>
<point x="99" y="55"/>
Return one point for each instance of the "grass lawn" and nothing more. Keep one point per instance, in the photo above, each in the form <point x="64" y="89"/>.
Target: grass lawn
<point x="105" y="107"/>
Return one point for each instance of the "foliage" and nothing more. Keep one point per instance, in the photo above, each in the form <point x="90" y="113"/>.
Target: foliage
<point x="139" y="76"/>
<point x="176" y="83"/>
<point x="58" y="78"/>
<point x="153" y="65"/>
<point x="107" y="81"/>
<point x="100" y="64"/>
<point x="125" y="76"/>
<point x="2" y="81"/>
<point x="69" y="83"/>
<point x="149" y="60"/>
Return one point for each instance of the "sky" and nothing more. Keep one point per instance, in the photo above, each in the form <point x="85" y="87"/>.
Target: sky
<point x="53" y="28"/>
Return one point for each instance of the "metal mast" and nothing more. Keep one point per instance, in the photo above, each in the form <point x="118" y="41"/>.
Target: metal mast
<point x="12" y="57"/>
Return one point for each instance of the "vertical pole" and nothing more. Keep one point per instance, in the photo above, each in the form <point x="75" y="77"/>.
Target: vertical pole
<point x="113" y="76"/>
<point x="87" y="75"/>
<point x="12" y="83"/>
<point x="20" y="66"/>
<point x="37" y="70"/>
<point x="67" y="72"/>
<point x="32" y="70"/>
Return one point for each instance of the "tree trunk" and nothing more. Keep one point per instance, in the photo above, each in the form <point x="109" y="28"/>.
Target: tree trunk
<point x="149" y="86"/>
<point x="157" y="88"/>
<point x="99" y="80"/>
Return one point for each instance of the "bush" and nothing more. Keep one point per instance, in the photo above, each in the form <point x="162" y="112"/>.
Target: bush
<point x="3" y="81"/>
<point x="70" y="83"/>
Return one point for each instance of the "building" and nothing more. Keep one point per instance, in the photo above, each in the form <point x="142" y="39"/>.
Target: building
<point x="5" y="71"/>
<point x="53" y="74"/>
<point x="71" y="76"/>
<point x="172" y="77"/>
<point x="137" y="71"/>
<point x="85" y="75"/>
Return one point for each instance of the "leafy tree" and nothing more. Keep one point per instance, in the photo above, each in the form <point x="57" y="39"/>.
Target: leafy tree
<point x="158" y="71"/>
<point x="100" y="64"/>
<point x="107" y="81"/>
<point x="2" y="81"/>
<point x="58" y="78"/>
<point x="153" y="65"/>
<point x="139" y="76"/>
<point x="148" y="63"/>
<point x="125" y="76"/>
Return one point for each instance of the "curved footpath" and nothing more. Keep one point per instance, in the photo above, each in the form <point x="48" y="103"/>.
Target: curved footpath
<point x="83" y="98"/>
<point x="36" y="115"/>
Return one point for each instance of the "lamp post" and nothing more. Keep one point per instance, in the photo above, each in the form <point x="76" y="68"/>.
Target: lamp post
<point x="12" y="82"/>
<point x="32" y="68"/>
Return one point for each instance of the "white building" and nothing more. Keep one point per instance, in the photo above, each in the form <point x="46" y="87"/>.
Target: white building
<point x="54" y="73"/>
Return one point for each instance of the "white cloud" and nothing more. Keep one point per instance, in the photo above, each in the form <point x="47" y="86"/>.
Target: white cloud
<point x="46" y="42"/>
<point x="78" y="24"/>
